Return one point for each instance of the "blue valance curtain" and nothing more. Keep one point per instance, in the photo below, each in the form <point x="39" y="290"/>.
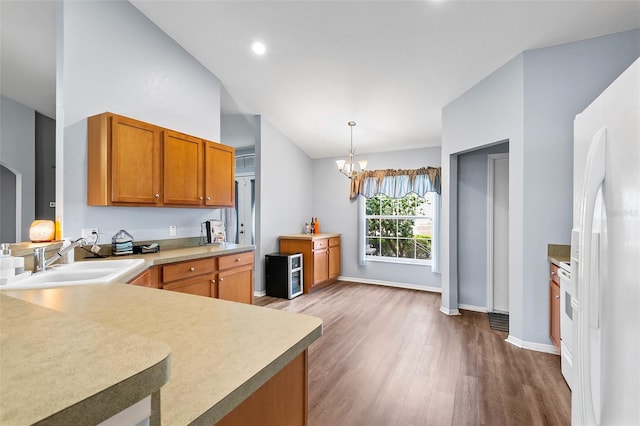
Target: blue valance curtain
<point x="396" y="183"/>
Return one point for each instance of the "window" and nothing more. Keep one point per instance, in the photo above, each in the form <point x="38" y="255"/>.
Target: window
<point x="399" y="229"/>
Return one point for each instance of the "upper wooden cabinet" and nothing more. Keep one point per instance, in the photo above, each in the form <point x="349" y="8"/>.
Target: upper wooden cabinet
<point x="133" y="163"/>
<point x="219" y="169"/>
<point x="183" y="169"/>
<point x="124" y="162"/>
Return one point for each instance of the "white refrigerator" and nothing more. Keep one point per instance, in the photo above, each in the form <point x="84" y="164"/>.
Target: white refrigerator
<point x="606" y="257"/>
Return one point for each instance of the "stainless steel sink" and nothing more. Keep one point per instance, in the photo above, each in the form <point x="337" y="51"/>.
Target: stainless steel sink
<point x="77" y="273"/>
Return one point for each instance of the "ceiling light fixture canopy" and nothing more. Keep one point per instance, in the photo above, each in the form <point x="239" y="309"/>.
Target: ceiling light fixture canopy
<point x="346" y="167"/>
<point x="258" y="48"/>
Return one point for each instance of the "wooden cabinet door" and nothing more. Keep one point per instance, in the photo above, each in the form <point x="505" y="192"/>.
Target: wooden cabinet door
<point x="183" y="169"/>
<point x="148" y="278"/>
<point x="236" y="284"/>
<point x="334" y="262"/>
<point x="202" y="285"/>
<point x="135" y="162"/>
<point x="320" y="266"/>
<point x="219" y="171"/>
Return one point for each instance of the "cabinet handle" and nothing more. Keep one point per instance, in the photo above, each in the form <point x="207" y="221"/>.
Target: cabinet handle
<point x="156" y="195"/>
<point x="553" y="273"/>
<point x="201" y="198"/>
<point x="221" y="279"/>
<point x="557" y="296"/>
<point x="208" y="198"/>
<point x="192" y="269"/>
<point x="213" y="281"/>
<point x="237" y="259"/>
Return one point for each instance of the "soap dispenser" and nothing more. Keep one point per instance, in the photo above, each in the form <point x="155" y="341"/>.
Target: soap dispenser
<point x="6" y="263"/>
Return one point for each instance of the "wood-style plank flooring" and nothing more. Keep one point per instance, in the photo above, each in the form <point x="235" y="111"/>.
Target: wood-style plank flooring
<point x="388" y="356"/>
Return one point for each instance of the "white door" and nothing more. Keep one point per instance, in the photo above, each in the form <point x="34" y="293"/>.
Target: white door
<point x="498" y="226"/>
<point x="245" y="209"/>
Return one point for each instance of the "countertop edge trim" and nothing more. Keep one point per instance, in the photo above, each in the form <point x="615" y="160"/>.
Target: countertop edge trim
<point x="114" y="399"/>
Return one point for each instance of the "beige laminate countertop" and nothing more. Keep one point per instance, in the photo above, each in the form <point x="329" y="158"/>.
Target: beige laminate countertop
<point x="66" y="370"/>
<point x="308" y="236"/>
<point x="221" y="352"/>
<point x="557" y="253"/>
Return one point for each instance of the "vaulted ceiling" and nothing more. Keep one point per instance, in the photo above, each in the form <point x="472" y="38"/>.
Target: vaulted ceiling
<point x="388" y="65"/>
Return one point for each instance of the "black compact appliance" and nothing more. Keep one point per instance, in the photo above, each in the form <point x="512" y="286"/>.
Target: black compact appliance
<point x="284" y="276"/>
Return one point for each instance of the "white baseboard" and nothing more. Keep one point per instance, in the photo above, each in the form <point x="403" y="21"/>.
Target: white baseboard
<point x="472" y="308"/>
<point x="392" y="284"/>
<point x="538" y="347"/>
<point x="257" y="293"/>
<point x="448" y="311"/>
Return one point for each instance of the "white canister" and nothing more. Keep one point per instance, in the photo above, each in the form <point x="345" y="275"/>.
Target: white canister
<point x="6" y="263"/>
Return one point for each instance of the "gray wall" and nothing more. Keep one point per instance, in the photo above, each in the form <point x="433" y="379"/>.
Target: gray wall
<point x="17" y="153"/>
<point x="337" y="213"/>
<point x="7" y="205"/>
<point x="284" y="192"/>
<point x="472" y="224"/>
<point x="45" y="166"/>
<point x="115" y="59"/>
<point x="531" y="101"/>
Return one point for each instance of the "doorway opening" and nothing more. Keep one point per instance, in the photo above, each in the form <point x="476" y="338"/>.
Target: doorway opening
<point x="498" y="233"/>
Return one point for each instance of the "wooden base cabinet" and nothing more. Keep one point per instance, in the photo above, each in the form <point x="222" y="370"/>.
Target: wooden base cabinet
<point x="235" y="277"/>
<point x="192" y="276"/>
<point x="320" y="257"/>
<point x="283" y="400"/>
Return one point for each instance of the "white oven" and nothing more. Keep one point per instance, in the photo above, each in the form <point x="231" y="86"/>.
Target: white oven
<point x="566" y="321"/>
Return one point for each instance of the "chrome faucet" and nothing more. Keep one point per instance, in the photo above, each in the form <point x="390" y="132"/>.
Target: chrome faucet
<point x="41" y="263"/>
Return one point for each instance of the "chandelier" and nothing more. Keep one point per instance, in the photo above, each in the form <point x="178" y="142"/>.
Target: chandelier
<point x="347" y="167"/>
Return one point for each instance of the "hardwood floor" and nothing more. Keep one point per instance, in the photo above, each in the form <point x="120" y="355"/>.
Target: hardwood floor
<point x="388" y="356"/>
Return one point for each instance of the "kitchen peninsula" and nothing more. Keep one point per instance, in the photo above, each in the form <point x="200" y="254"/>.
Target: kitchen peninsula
<point x="228" y="363"/>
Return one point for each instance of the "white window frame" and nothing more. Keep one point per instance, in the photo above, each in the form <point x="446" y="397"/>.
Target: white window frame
<point x="396" y="260"/>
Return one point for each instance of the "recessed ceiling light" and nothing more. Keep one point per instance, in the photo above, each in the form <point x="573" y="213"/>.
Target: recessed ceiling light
<point x="258" y="48"/>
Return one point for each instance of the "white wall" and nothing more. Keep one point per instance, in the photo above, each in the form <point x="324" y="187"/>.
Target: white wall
<point x="531" y="101"/>
<point x="284" y="192"/>
<point x="115" y="59"/>
<point x="559" y="83"/>
<point x="337" y="213"/>
<point x="17" y="153"/>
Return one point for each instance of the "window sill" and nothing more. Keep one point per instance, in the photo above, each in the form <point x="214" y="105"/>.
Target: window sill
<point x="398" y="261"/>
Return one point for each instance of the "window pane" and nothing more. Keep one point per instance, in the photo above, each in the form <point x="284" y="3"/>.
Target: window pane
<point x="388" y="247"/>
<point x="373" y="227"/>
<point x="405" y="227"/>
<point x="387" y="206"/>
<point x="406" y="249"/>
<point x="373" y="206"/>
<point x="423" y="227"/>
<point x="388" y="227"/>
<point x="423" y="248"/>
<point x="373" y="247"/>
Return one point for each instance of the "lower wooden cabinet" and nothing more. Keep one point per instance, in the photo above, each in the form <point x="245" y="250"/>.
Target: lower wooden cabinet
<point x="320" y="257"/>
<point x="235" y="277"/>
<point x="228" y="277"/>
<point x="148" y="278"/>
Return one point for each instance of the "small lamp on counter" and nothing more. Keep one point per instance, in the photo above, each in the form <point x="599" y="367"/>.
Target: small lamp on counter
<point x="42" y="231"/>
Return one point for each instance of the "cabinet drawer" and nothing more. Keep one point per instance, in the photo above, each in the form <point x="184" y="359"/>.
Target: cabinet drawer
<point x="234" y="260"/>
<point x="553" y="274"/>
<point x="190" y="268"/>
<point x="320" y="244"/>
<point x="334" y="241"/>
